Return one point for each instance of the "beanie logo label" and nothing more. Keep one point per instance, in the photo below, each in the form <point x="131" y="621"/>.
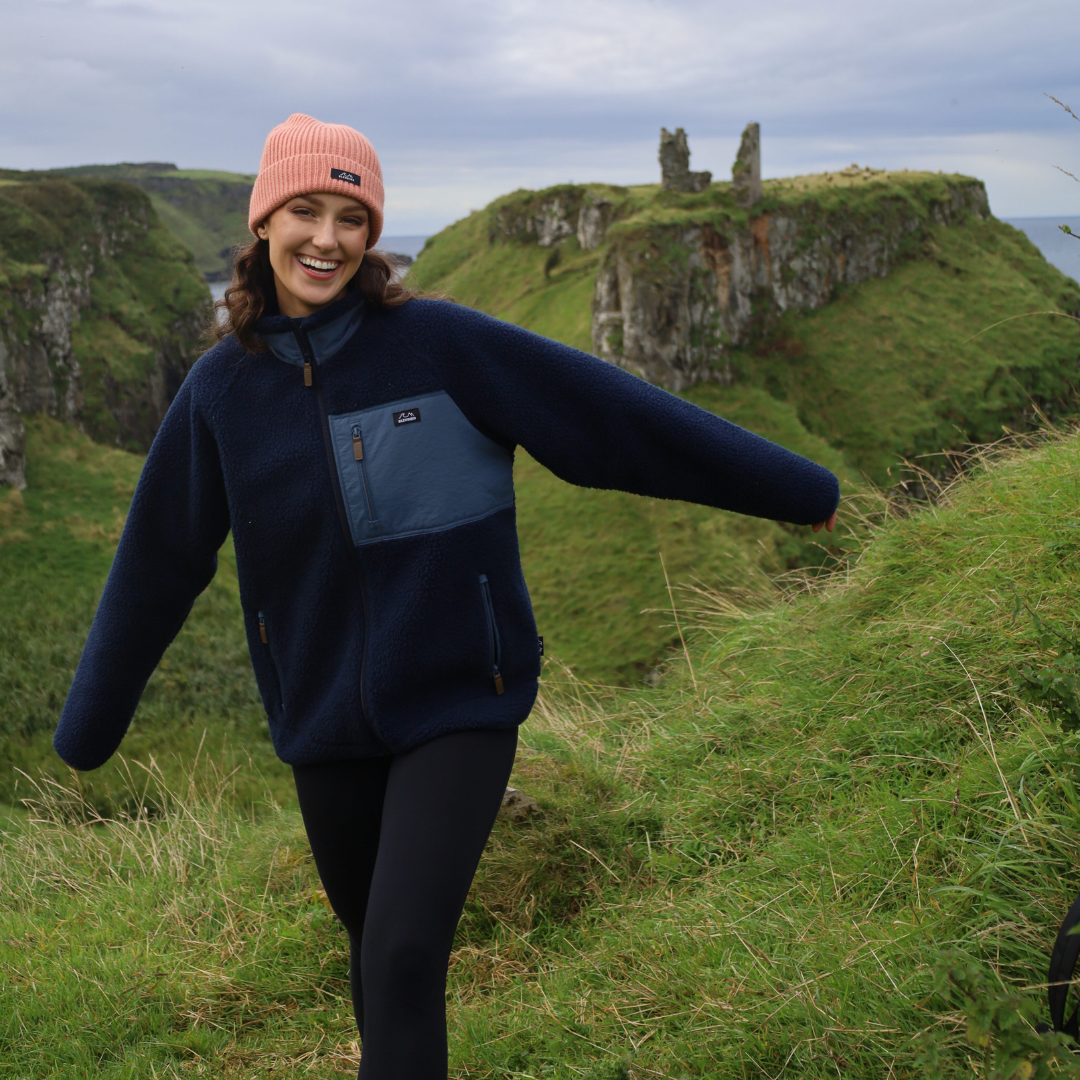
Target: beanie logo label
<point x="409" y="416"/>
<point x="348" y="177"/>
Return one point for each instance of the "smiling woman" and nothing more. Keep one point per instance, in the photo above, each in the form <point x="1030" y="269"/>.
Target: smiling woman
<point x="360" y="449"/>
<point x="316" y="211"/>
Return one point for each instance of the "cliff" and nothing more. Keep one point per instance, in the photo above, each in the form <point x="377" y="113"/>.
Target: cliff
<point x="680" y="285"/>
<point x="858" y="299"/>
<point x="204" y="208"/>
<point x="101" y="311"/>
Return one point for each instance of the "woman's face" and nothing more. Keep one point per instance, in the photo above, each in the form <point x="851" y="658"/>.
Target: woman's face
<point x="317" y="243"/>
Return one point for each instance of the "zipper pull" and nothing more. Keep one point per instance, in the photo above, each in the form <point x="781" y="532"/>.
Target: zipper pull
<point x="262" y="631"/>
<point x="499" y="688"/>
<point x="357" y="445"/>
<point x="307" y="373"/>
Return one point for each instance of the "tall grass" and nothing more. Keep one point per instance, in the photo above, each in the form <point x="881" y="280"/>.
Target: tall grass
<point x="841" y="845"/>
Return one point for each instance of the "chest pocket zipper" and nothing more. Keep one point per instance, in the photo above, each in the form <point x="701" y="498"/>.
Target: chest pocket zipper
<point x="358" y="456"/>
<point x="494" y="645"/>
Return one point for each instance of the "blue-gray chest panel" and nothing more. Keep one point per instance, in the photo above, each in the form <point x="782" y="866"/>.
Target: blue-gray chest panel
<point x="415" y="466"/>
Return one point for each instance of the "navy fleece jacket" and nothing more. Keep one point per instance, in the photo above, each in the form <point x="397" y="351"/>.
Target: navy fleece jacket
<point x="364" y="466"/>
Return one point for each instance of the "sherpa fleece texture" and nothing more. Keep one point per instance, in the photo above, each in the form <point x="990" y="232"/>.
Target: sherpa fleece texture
<point x="376" y="649"/>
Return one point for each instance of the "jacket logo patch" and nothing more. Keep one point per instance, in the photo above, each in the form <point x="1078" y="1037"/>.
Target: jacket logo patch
<point x="348" y="177"/>
<point x="408" y="416"/>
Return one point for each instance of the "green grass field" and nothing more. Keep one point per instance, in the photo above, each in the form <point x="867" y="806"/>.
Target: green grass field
<point x="768" y="829"/>
<point x="753" y="869"/>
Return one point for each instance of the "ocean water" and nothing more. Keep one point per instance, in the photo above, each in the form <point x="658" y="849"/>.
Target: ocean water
<point x="402" y="245"/>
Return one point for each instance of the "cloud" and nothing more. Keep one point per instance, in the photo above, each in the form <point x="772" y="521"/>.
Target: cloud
<point x="463" y="98"/>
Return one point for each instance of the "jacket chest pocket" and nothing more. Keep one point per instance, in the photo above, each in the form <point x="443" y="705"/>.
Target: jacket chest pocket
<point x="417" y="465"/>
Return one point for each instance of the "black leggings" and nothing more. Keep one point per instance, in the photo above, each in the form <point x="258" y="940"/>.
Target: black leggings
<point x="396" y="842"/>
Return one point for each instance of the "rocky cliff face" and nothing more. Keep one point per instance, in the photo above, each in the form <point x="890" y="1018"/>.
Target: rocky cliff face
<point x="671" y="299"/>
<point x="101" y="311"/>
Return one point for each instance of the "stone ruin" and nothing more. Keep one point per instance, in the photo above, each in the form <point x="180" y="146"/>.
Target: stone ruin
<point x="675" y="164"/>
<point x="746" y="172"/>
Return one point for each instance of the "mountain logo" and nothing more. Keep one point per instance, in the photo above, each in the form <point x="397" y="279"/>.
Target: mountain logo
<point x="408" y="416"/>
<point x="348" y="177"/>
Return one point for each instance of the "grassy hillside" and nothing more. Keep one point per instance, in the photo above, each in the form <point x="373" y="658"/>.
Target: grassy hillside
<point x="884" y="372"/>
<point x="205" y="209"/>
<point x="754" y="869"/>
<point x="894" y="367"/>
<point x="58" y="536"/>
<point x="905" y="365"/>
<point x="89" y="258"/>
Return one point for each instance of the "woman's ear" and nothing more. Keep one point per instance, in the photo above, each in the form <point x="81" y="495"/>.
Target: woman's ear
<point x="262" y="231"/>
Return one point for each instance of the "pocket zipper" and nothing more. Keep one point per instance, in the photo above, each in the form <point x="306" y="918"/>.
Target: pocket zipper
<point x="494" y="644"/>
<point x="358" y="457"/>
<point x="264" y="637"/>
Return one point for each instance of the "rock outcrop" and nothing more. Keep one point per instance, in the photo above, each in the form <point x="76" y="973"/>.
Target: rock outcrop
<point x="101" y="311"/>
<point x="675" y="174"/>
<point x="672" y="299"/>
<point x="746" y="172"/>
<point x="550" y="217"/>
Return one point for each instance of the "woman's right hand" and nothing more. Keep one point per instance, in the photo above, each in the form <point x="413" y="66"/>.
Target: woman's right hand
<point x="829" y="523"/>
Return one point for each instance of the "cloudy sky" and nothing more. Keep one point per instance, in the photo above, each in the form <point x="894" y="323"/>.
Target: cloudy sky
<point x="470" y="99"/>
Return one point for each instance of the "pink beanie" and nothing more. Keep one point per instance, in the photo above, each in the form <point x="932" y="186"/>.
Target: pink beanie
<point x="304" y="156"/>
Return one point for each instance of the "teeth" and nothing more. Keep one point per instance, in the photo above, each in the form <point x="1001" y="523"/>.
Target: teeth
<point x="318" y="264"/>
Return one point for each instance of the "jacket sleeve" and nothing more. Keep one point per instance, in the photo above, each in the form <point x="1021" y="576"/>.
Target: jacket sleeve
<point x="167" y="555"/>
<point x="596" y="425"/>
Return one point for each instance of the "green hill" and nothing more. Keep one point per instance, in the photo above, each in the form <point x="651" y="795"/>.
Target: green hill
<point x="889" y="368"/>
<point x="205" y="209"/>
<point x="752" y="869"/>
<point x="101" y="311"/>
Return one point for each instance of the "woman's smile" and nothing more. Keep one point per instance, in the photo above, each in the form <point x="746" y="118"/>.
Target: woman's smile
<point x="320" y="269"/>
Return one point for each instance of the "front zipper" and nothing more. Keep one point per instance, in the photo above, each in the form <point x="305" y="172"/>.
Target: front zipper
<point x="310" y="379"/>
<point x="358" y="456"/>
<point x="494" y="644"/>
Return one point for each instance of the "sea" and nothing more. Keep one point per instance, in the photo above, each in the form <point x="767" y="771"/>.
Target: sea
<point x="1058" y="248"/>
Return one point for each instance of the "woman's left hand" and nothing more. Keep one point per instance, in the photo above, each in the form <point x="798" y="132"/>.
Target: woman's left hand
<point x="829" y="523"/>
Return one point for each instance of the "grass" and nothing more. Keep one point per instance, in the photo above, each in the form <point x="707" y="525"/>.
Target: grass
<point x="752" y="869"/>
<point x="205" y="209"/>
<point x="913" y="362"/>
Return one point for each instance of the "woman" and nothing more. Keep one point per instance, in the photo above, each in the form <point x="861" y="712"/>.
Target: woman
<point x="359" y="443"/>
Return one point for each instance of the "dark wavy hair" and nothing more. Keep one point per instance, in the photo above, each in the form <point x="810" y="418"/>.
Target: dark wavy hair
<point x="252" y="292"/>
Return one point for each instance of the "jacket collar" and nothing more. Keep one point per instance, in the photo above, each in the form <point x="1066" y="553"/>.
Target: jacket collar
<point x="327" y="330"/>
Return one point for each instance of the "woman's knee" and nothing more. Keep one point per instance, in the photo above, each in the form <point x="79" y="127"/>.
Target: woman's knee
<point x="403" y="968"/>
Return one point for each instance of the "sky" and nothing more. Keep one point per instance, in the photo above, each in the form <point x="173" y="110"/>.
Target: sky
<point x="465" y="101"/>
